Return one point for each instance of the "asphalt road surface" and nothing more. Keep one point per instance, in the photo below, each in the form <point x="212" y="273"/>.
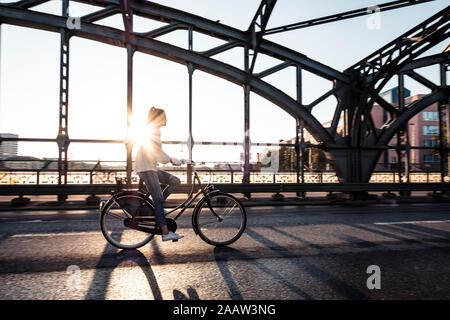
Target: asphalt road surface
<point x="292" y="252"/>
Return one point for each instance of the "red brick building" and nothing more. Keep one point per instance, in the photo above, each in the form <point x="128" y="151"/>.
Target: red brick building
<point x="423" y="130"/>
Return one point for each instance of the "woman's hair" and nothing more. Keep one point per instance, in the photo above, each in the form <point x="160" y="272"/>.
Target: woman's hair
<point x="154" y="114"/>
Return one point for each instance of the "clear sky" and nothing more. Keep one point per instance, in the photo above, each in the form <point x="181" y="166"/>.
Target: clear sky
<point x="29" y="90"/>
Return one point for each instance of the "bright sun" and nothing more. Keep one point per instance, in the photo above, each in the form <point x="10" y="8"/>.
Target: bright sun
<point x="139" y="133"/>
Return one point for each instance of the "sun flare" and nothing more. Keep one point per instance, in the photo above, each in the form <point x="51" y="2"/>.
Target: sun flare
<point x="140" y="133"/>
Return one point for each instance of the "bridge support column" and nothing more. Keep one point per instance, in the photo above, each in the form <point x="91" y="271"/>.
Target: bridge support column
<point x="447" y="158"/>
<point x="448" y="140"/>
<point x="403" y="147"/>
<point x="443" y="150"/>
<point x="246" y="176"/>
<point x="127" y="17"/>
<point x="129" y="144"/>
<point x="444" y="133"/>
<point x="299" y="138"/>
<point x="355" y="164"/>
<point x="190" y="145"/>
<point x="352" y="161"/>
<point x="63" y="135"/>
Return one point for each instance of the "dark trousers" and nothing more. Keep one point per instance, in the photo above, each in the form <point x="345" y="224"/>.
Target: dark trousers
<point x="152" y="181"/>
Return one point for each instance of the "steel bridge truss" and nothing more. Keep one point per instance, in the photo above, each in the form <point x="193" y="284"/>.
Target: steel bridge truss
<point x="354" y="153"/>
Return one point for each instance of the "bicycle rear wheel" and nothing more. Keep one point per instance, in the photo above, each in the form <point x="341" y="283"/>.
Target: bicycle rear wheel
<point x="227" y="226"/>
<point x="112" y="221"/>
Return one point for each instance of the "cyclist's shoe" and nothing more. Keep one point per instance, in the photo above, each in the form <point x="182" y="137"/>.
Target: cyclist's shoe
<point x="171" y="236"/>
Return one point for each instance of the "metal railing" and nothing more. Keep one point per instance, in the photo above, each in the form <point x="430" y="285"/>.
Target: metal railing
<point x="45" y="172"/>
<point x="40" y="177"/>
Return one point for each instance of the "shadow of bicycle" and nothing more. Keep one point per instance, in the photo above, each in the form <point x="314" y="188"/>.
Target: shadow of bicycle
<point x="109" y="261"/>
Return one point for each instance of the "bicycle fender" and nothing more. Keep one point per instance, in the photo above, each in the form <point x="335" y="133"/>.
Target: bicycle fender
<point x="194" y="225"/>
<point x="105" y="204"/>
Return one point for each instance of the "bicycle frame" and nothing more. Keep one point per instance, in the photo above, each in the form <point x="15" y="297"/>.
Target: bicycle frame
<point x="206" y="190"/>
<point x="133" y="221"/>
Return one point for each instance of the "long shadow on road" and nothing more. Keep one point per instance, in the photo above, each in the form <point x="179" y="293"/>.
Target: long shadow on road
<point x="223" y="254"/>
<point x="391" y="231"/>
<point x="427" y="230"/>
<point x="329" y="280"/>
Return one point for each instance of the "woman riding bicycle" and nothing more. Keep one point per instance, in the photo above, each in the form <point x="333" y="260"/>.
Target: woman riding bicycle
<point x="148" y="155"/>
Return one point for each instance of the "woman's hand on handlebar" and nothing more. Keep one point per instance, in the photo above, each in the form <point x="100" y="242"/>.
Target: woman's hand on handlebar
<point x="176" y="162"/>
<point x="179" y="162"/>
<point x="186" y="161"/>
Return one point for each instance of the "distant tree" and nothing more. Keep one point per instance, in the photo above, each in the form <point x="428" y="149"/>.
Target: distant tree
<point x="287" y="158"/>
<point x="318" y="159"/>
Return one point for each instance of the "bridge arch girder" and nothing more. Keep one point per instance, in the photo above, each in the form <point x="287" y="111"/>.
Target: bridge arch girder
<point x="111" y="36"/>
<point x="378" y="68"/>
<point x="351" y="90"/>
<point x="184" y="20"/>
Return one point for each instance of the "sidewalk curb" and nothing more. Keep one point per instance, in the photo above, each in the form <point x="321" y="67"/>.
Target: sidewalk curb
<point x="46" y="206"/>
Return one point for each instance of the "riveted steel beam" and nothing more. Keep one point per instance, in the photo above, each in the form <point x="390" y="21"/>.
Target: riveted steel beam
<point x="26" y="4"/>
<point x="150" y="46"/>
<point x="425" y="61"/>
<point x="321" y="98"/>
<point x="274" y="69"/>
<point x="163" y="30"/>
<point x="419" y="78"/>
<point x="377" y="69"/>
<point x="220" y="49"/>
<point x="402" y="50"/>
<point x="215" y="29"/>
<point x="258" y="27"/>
<point x="356" y="88"/>
<point x="100" y="14"/>
<point x="387" y="106"/>
<point x="344" y="15"/>
<point x="62" y="139"/>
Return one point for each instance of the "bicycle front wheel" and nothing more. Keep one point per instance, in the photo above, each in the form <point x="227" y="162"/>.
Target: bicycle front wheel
<point x="222" y="221"/>
<point x="112" y="222"/>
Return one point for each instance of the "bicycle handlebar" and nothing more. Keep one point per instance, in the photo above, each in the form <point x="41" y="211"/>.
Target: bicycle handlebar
<point x="185" y="161"/>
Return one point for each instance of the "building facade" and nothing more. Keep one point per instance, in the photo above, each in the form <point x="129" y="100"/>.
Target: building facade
<point x="422" y="131"/>
<point x="8" y="148"/>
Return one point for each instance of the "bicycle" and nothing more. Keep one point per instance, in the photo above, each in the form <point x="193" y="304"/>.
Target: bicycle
<point x="127" y="219"/>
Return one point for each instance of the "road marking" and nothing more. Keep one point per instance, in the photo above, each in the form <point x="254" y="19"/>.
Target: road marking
<point x="28" y="235"/>
<point x="48" y="221"/>
<point x="411" y="222"/>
